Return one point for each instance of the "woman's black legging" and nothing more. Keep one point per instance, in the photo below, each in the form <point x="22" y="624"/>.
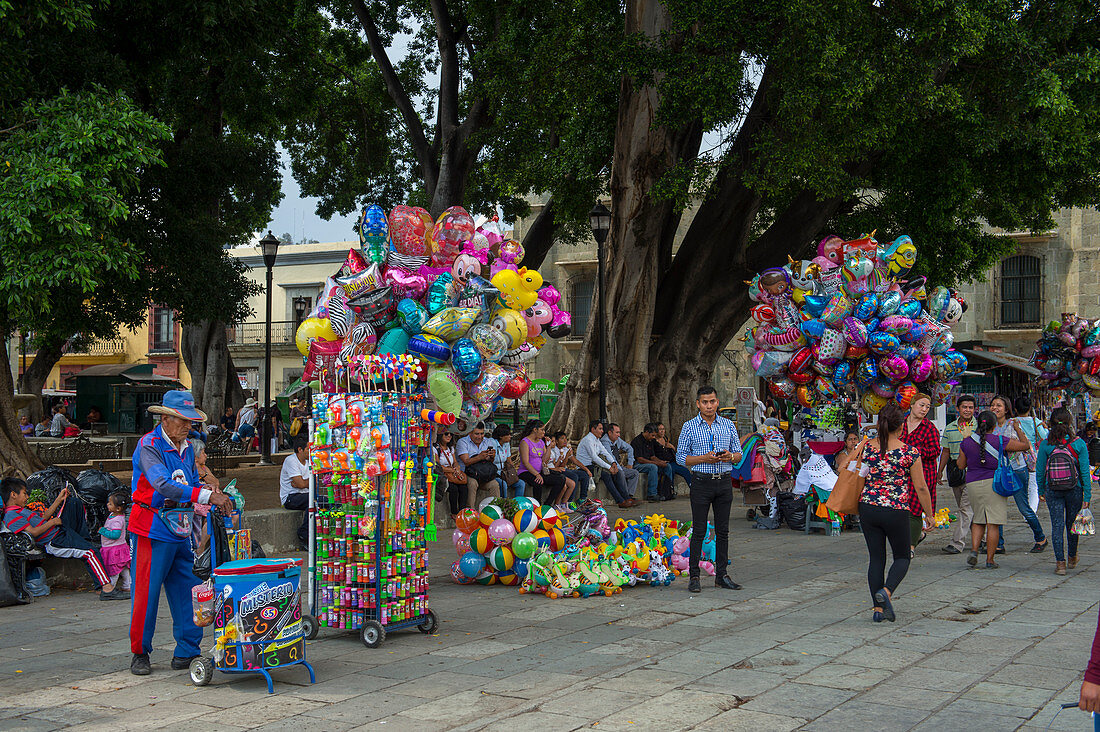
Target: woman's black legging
<point x="879" y="525"/>
<point x="552" y="484"/>
<point x="456" y="496"/>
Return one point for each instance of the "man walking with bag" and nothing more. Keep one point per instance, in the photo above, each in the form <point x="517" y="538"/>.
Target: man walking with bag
<point x="709" y="446"/>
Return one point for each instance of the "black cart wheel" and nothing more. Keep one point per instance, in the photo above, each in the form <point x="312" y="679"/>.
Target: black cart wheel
<point x="429" y="625"/>
<point x="372" y="634"/>
<point x="202" y="670"/>
<point x="310" y="626"/>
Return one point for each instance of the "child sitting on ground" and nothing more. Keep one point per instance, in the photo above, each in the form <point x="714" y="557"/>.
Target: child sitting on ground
<point x="61" y="536"/>
<point x="114" y="549"/>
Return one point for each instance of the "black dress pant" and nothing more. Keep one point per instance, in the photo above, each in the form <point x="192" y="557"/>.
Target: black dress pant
<point x="704" y="493"/>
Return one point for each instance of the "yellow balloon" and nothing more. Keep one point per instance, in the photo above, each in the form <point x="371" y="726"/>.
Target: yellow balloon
<point x="872" y="402"/>
<point x="312" y="329"/>
<point x="512" y="324"/>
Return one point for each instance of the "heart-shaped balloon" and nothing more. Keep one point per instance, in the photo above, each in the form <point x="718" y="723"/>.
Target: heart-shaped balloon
<point x="404" y="283"/>
<point x="815" y="304"/>
<point x="452" y="230"/>
<point x="515" y="387"/>
<point x="375" y="307"/>
<point x="410" y="228"/>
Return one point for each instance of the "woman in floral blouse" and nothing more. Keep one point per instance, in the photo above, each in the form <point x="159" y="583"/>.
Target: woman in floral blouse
<point x="895" y="471"/>
<point x="919" y="432"/>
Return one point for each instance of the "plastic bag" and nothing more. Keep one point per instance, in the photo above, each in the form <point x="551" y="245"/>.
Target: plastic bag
<point x="219" y="542"/>
<point x="202" y="603"/>
<point x="11" y="593"/>
<point x="793" y="510"/>
<point x="94" y="487"/>
<point x="1082" y="525"/>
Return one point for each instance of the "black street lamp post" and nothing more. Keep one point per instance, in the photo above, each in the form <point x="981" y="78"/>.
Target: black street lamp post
<point x="270" y="247"/>
<point x="600" y="220"/>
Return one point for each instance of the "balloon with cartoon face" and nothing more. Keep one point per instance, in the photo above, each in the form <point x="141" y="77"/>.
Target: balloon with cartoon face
<point x="537" y="316"/>
<point x="512" y="324"/>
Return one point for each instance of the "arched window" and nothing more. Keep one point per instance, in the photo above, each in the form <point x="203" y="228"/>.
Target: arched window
<point x="1021" y="290"/>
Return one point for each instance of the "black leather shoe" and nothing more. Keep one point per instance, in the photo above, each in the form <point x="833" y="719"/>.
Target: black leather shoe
<point x="726" y="583"/>
<point x="179" y="664"/>
<point x="694" y="586"/>
<point x="139" y="665"/>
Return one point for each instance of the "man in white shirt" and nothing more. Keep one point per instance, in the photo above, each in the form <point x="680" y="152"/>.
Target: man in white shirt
<point x="294" y="485"/>
<point x="619" y="482"/>
<point x="246" y="422"/>
<point x="472" y="449"/>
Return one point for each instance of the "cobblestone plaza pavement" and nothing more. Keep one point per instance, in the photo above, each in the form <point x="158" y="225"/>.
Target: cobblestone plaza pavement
<point x="972" y="649"/>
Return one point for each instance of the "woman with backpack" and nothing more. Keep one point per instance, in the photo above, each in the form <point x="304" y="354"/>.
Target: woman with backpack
<point x="979" y="456"/>
<point x="1062" y="470"/>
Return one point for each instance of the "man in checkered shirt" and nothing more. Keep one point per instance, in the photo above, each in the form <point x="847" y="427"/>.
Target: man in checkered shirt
<point x="709" y="446"/>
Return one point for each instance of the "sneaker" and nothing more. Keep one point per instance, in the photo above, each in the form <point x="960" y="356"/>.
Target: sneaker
<point x="179" y="663"/>
<point x="951" y="549"/>
<point x="118" y="593"/>
<point x="694" y="585"/>
<point x="139" y="665"/>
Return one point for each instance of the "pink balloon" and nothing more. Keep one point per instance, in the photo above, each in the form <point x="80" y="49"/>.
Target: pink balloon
<point x="405" y="284"/>
<point x="680" y="562"/>
<point x="502" y="531"/>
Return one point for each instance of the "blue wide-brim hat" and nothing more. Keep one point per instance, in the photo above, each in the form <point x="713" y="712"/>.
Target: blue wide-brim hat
<point x="179" y="403"/>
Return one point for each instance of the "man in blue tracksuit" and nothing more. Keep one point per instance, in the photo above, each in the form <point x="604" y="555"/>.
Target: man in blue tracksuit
<point x="165" y="477"/>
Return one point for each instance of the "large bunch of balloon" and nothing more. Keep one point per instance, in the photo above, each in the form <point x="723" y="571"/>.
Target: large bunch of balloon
<point x="449" y="293"/>
<point x="1068" y="355"/>
<point x="848" y="326"/>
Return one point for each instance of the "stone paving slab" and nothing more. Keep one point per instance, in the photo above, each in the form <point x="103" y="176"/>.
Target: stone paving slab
<point x="998" y="649"/>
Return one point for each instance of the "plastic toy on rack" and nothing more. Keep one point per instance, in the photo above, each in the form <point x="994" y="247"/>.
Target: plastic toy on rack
<point x="370" y="496"/>
<point x="255" y="607"/>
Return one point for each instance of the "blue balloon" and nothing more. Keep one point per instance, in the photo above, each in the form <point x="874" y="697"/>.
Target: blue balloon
<point x="866" y="307"/>
<point x="520" y="567"/>
<point x="471" y="563"/>
<point x="882" y="342"/>
<point x="872" y="325"/>
<point x="910" y="308"/>
<point x="814" y="305"/>
<point x="889" y="303"/>
<point x="842" y="374"/>
<point x="411" y="316"/>
<point x="813" y="328"/>
<point x="907" y="352"/>
<point x="466" y="359"/>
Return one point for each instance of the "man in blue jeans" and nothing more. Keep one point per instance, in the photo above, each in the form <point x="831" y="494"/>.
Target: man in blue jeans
<point x="667" y="451"/>
<point x="647" y="463"/>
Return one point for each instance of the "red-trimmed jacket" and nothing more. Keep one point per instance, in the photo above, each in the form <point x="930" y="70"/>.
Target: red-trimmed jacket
<point x="161" y="472"/>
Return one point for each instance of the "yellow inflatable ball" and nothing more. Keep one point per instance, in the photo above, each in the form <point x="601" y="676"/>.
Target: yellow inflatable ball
<point x="313" y="329"/>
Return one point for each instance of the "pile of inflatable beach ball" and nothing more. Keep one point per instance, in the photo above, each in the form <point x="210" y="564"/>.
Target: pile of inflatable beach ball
<point x="493" y="548"/>
<point x="452" y="295"/>
<point x="847" y="326"/>
<point x="1068" y="355"/>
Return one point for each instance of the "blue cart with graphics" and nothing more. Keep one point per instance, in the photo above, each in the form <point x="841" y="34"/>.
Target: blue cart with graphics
<point x="258" y="622"/>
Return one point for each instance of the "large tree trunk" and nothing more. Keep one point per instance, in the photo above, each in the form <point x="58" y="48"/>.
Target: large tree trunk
<point x="641" y="227"/>
<point x="16" y="456"/>
<point x="33" y="378"/>
<point x="214" y="380"/>
<point x="540" y="237"/>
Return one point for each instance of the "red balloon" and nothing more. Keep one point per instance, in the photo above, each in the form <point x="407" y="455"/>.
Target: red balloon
<point x="763" y="313"/>
<point x="516" y="386"/>
<point x="856" y="352"/>
<point x="802" y="378"/>
<point x="801" y="361"/>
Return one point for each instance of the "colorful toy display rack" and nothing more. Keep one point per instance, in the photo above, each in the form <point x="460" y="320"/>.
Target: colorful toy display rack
<point x="257" y="614"/>
<point x="370" y="487"/>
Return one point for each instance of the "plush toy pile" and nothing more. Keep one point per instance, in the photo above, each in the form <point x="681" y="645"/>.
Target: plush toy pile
<point x="1068" y="355"/>
<point x="848" y="326"/>
<point x="519" y="542"/>
<point x="444" y="303"/>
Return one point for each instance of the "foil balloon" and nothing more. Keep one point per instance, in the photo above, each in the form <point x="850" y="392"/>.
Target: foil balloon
<point x="405" y="284"/>
<point x="452" y="230"/>
<point x="361" y="282"/>
<point x="882" y="342"/>
<point x="561" y="324"/>
<point x="842" y="374"/>
<point x="375" y="307"/>
<point x="765" y="313"/>
<point x="445" y="389"/>
<point x="518" y="289"/>
<point x="340" y="315"/>
<point x="781" y="388"/>
<point x="394" y="341"/>
<point x="825" y="389"/>
<point x="806" y="377"/>
<point x="397" y="260"/>
<point x="867" y="372"/>
<point x="450" y="324"/>
<point x="805" y="396"/>
<point x="904" y="395"/>
<point x="907" y="351"/>
<point x="855" y="331"/>
<point x="492" y="343"/>
<point x="831" y="347"/>
<point x="515" y="387"/>
<point x="489" y="384"/>
<point x="944" y="341"/>
<point x="517" y="356"/>
<point x="813" y="305"/>
<point x="360" y="341"/>
<point x="831" y="248"/>
<point x="888" y="303"/>
<point x="432" y="349"/>
<point x="893" y="367"/>
<point x="374" y="233"/>
<point x="442" y="293"/>
<point x="321" y="361"/>
<point x="835" y="312"/>
<point x="813" y="328"/>
<point x="883" y="388"/>
<point x="910" y="308"/>
<point x="509" y="255"/>
<point x="313" y="329"/>
<point x="770" y="364"/>
<point x="466" y="360"/>
<point x="512" y="324"/>
<point x="411" y="316"/>
<point x="353" y="264"/>
<point x="872" y="403"/>
<point x="866" y="307"/>
<point x="941" y="393"/>
<point x="801" y="361"/>
<point x="898" y="325"/>
<point x="921" y="367"/>
<point x="898" y="257"/>
<point x="537" y="316"/>
<point x="410" y="230"/>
